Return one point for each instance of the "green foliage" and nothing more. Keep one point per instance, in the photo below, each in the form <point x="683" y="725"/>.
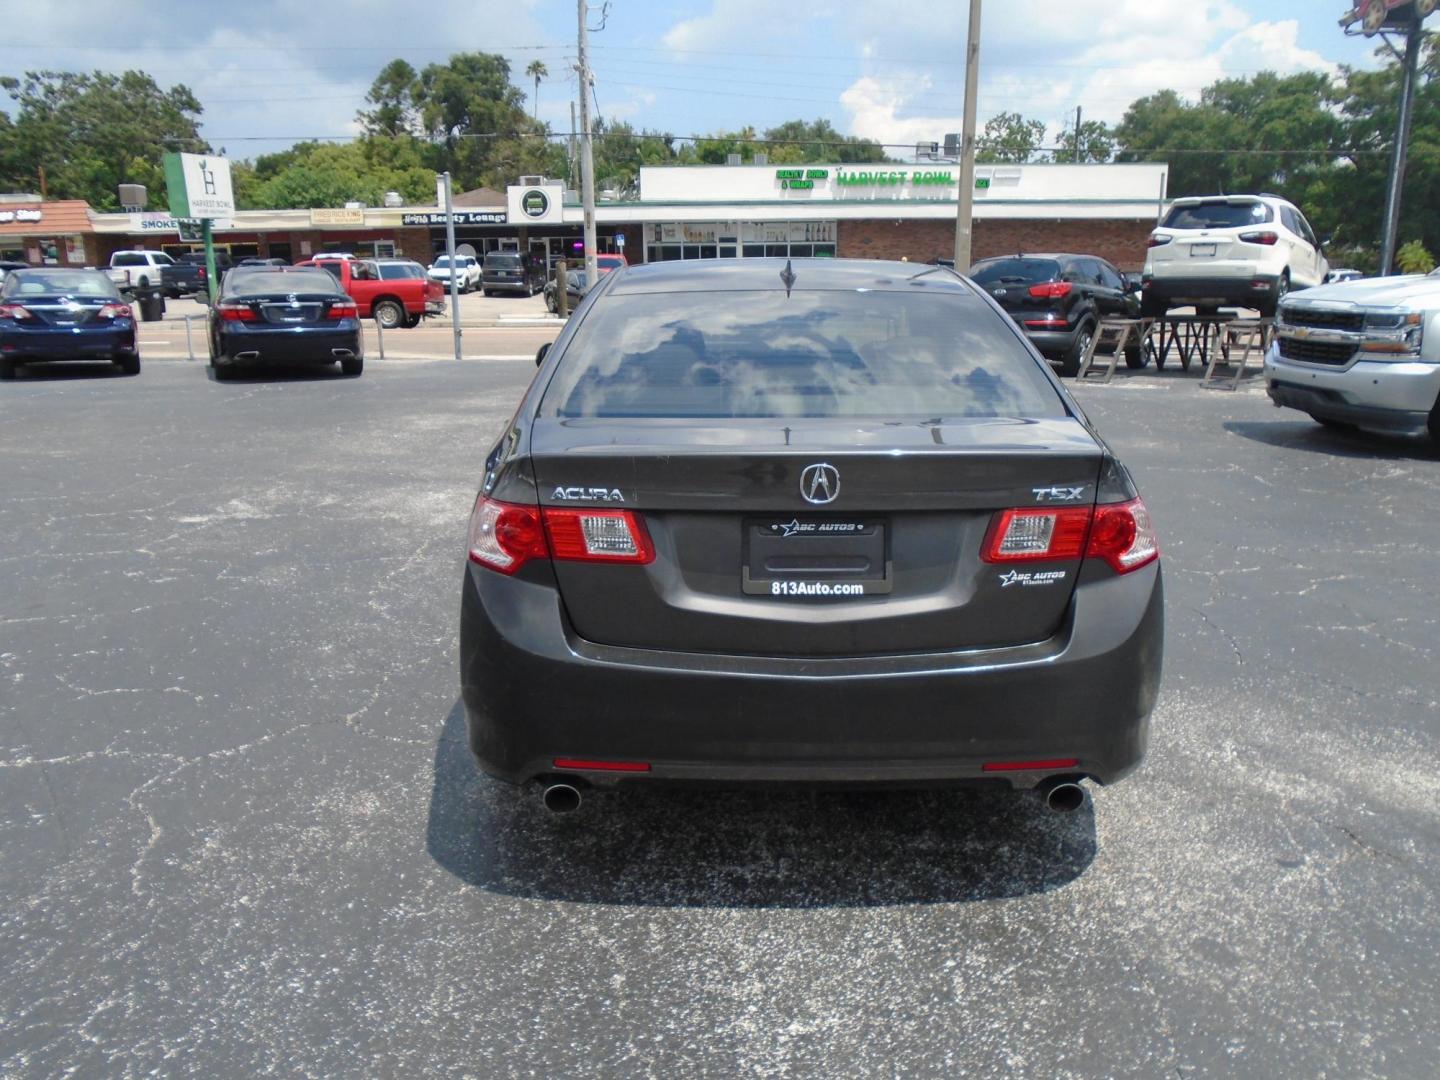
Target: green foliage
<point x="1412" y="258"/>
<point x="91" y="133"/>
<point x="1096" y="142"/>
<point x="1009" y="137"/>
<point x="312" y="174"/>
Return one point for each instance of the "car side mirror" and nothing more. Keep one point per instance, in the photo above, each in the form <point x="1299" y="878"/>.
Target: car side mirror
<point x="1132" y="284"/>
<point x="540" y="353"/>
<point x="1325" y="239"/>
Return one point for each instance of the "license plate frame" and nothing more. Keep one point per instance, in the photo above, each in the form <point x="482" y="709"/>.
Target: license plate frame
<point x="1202" y="251"/>
<point x="814" y="557"/>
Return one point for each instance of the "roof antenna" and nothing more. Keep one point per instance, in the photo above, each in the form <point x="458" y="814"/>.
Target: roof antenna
<point x="788" y="277"/>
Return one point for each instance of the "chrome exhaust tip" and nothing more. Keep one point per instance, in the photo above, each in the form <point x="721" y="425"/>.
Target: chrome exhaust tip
<point x="561" y="798"/>
<point x="249" y="354"/>
<point x="342" y="354"/>
<point x="1063" y="796"/>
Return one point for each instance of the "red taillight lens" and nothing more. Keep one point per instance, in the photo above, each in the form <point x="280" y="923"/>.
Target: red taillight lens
<point x="1043" y="765"/>
<point x="343" y="311"/>
<point x="1119" y="533"/>
<point x="593" y="765"/>
<point x="14" y="311"/>
<point x="1046" y="324"/>
<point x="1266" y="238"/>
<point x="1158" y="240"/>
<point x="505" y="536"/>
<point x="598" y="536"/>
<point x="1123" y="536"/>
<point x="115" y="311"/>
<point x="1051" y="290"/>
<point x="236" y="313"/>
<point x="1036" y="533"/>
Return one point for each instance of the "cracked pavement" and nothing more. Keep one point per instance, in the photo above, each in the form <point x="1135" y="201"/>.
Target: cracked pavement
<point x="240" y="833"/>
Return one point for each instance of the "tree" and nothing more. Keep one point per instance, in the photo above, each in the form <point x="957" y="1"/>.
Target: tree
<point x="393" y="95"/>
<point x="537" y="71"/>
<point x="1413" y="258"/>
<point x="796" y="142"/>
<point x="1094" y="139"/>
<point x="312" y="174"/>
<point x="91" y="133"/>
<point x="1009" y="137"/>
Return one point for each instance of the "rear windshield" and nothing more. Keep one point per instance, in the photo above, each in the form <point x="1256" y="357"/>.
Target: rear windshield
<point x="888" y="355"/>
<point x="60" y="283"/>
<point x="245" y="281"/>
<point x="1014" y="271"/>
<point x="504" y="262"/>
<point x="1217" y="215"/>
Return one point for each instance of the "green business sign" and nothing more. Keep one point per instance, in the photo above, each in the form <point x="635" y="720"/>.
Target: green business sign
<point x="804" y="179"/>
<point x="982" y="182"/>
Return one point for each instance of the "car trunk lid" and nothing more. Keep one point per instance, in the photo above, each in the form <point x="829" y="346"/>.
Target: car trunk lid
<point x="756" y="523"/>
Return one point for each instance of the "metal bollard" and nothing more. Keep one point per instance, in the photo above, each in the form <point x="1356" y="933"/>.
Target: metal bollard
<point x="189" y="346"/>
<point x="380" y="333"/>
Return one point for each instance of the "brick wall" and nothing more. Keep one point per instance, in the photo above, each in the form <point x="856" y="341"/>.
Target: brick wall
<point x="414" y="244"/>
<point x="1121" y="242"/>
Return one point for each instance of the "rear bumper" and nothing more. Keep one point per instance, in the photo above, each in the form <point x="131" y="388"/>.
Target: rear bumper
<point x="290" y="345"/>
<point x="69" y="343"/>
<point x="1052" y="343"/>
<point x="1238" y="284"/>
<point x="533" y="691"/>
<point x="1380" y="395"/>
<point x="508" y="286"/>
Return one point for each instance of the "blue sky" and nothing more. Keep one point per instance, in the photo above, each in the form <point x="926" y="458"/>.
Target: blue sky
<point x="269" y="71"/>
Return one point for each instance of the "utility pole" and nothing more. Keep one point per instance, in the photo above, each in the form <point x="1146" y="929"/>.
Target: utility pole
<point x="1077" y="134"/>
<point x="587" y="152"/>
<point x="965" y="203"/>
<point x="1402" y="138"/>
<point x="450" y="251"/>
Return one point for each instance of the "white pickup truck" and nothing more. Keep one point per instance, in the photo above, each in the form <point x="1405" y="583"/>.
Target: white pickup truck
<point x="1363" y="354"/>
<point x="131" y="270"/>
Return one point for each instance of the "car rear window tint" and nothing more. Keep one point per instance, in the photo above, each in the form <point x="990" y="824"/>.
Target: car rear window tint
<point x="398" y="271"/>
<point x="882" y="354"/>
<point x="244" y="281"/>
<point x="1217" y="215"/>
<point x="1017" y="271"/>
<point x="60" y="283"/>
<point x="503" y="262"/>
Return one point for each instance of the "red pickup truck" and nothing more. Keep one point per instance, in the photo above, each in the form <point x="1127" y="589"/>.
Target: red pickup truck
<point x="393" y="301"/>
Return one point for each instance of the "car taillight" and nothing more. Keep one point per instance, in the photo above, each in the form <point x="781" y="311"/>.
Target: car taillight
<point x="1119" y="533"/>
<point x="115" y="311"/>
<point x="1036" y="533"/>
<point x="343" y="311"/>
<point x="1267" y="238"/>
<point x="1123" y="536"/>
<point x="14" y="311"/>
<point x="505" y="536"/>
<point x="598" y="536"/>
<point x="236" y="312"/>
<point x="1158" y="240"/>
<point x="1051" y="290"/>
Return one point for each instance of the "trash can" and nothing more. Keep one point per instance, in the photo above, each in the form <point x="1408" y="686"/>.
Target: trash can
<point x="152" y="304"/>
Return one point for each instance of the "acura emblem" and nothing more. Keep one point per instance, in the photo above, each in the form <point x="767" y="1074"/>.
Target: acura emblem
<point x="820" y="483"/>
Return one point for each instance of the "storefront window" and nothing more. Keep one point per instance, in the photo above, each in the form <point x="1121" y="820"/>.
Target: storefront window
<point x="757" y="239"/>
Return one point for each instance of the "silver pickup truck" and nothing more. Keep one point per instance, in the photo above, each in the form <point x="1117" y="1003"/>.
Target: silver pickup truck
<point x="1361" y="354"/>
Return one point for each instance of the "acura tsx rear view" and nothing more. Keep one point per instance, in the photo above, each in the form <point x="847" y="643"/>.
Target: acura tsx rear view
<point x="827" y="522"/>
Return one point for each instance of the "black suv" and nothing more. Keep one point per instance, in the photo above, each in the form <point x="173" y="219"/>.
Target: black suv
<point x="512" y="271"/>
<point x="1058" y="299"/>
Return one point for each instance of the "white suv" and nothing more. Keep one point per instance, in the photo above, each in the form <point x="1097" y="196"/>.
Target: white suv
<point x="1237" y="250"/>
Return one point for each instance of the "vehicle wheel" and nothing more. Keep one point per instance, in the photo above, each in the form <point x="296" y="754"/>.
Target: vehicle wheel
<point x="389" y="314"/>
<point x="1434" y="423"/>
<point x="128" y="365"/>
<point x="413" y="321"/>
<point x="550" y="303"/>
<point x="1136" y="357"/>
<point x="7" y="369"/>
<point x="352" y="366"/>
<point x="1070" y="362"/>
<point x="1268" y="307"/>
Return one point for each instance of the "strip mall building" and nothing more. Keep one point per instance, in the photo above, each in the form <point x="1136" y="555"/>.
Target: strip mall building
<point x="683" y="212"/>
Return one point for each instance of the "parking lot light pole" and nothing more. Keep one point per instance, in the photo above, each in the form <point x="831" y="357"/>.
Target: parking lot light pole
<point x="1402" y="138"/>
<point x="450" y="250"/>
<point x="587" y="152"/>
<point x="965" y="202"/>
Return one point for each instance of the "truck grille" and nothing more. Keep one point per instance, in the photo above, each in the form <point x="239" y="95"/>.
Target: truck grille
<point x="1324" y="320"/>
<point x="1317" y="352"/>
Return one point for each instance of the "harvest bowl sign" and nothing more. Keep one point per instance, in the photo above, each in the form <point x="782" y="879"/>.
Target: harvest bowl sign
<point x="878" y="182"/>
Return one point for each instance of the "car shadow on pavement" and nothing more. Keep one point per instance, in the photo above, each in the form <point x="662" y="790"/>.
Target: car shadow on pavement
<point x="1336" y="442"/>
<point x="64" y="370"/>
<point x="780" y="848"/>
<point x="282" y="373"/>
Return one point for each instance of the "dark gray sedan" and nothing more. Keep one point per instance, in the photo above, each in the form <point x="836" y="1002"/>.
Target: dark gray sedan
<point x="829" y="523"/>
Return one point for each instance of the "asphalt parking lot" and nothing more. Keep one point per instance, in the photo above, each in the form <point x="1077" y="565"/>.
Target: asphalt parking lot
<point x="240" y="833"/>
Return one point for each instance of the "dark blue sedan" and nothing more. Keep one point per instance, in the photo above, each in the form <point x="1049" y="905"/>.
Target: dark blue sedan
<point x="64" y="315"/>
<point x="283" y="315"/>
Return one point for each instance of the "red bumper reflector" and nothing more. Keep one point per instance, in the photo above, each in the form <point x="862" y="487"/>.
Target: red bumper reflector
<point x="1029" y="766"/>
<point x="600" y="766"/>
